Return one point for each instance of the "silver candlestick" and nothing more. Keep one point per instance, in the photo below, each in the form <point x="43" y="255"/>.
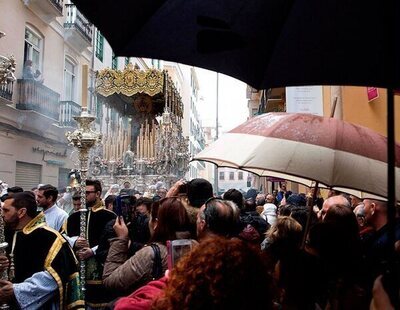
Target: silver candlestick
<point x="83" y="138"/>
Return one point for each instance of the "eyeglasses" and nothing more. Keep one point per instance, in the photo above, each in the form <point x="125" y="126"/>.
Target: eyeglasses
<point x="211" y="199"/>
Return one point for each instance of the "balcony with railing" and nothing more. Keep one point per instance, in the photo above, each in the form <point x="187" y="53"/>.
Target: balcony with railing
<point x="68" y="109"/>
<point x="6" y="90"/>
<point x="7" y="77"/>
<point x="34" y="96"/>
<point x="78" y="29"/>
<point x="47" y="10"/>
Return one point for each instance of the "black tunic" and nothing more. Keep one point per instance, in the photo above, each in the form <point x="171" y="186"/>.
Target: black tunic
<point x="96" y="219"/>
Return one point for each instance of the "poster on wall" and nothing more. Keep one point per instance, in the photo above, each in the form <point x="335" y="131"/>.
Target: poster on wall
<point x="372" y="93"/>
<point x="304" y="99"/>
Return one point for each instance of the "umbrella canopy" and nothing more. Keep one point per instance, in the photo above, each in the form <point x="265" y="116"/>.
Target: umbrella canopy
<point x="265" y="43"/>
<point x="306" y="148"/>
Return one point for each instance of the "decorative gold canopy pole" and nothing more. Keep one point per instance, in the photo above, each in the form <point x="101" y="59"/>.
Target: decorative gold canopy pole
<point x="83" y="138"/>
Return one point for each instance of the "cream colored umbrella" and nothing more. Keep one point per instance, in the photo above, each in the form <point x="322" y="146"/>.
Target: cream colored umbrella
<point x="306" y="149"/>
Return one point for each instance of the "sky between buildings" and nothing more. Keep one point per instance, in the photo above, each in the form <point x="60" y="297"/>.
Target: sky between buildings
<point x="232" y="100"/>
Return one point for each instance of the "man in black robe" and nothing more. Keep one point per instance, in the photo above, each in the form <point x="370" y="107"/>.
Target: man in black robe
<point x="43" y="269"/>
<point x="86" y="248"/>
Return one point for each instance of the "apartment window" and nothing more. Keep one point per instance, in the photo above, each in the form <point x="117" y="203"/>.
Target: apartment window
<point x="240" y="175"/>
<point x="231" y="176"/>
<point x="69" y="80"/>
<point x="33" y="49"/>
<point x="222" y="175"/>
<point x="126" y="61"/>
<point x="114" y="62"/>
<point x="99" y="45"/>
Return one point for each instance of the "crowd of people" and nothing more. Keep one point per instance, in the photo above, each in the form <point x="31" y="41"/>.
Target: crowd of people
<point x="279" y="250"/>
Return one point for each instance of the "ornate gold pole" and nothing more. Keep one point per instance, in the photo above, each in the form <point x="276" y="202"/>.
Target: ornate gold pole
<point x="3" y="246"/>
<point x="83" y="138"/>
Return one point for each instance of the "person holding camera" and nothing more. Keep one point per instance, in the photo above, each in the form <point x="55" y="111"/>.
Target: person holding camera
<point x="168" y="221"/>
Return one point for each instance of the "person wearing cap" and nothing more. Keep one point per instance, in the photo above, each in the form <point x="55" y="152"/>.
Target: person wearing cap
<point x="44" y="273"/>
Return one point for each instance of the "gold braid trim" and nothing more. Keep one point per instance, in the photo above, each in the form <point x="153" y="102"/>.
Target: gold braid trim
<point x="77" y="303"/>
<point x="97" y="305"/>
<point x="55" y="248"/>
<point x="36" y="222"/>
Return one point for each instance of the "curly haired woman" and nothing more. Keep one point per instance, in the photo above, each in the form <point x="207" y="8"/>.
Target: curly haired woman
<point x="218" y="274"/>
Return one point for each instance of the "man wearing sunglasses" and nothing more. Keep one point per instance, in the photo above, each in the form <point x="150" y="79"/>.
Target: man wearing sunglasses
<point x="86" y="248"/>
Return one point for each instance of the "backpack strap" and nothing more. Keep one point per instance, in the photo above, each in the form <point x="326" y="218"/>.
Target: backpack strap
<point x="157" y="263"/>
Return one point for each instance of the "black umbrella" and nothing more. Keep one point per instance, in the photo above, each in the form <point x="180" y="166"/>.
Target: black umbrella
<point x="265" y="43"/>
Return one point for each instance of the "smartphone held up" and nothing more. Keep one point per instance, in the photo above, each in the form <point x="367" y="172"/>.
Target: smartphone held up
<point x="176" y="250"/>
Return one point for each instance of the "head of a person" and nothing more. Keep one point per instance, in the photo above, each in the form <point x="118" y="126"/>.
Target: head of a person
<point x="282" y="185"/>
<point x="312" y="190"/>
<point x="11" y="191"/>
<point x="169" y="220"/>
<point x="114" y="189"/>
<point x="237" y="278"/>
<point x="332" y="192"/>
<point x="93" y="191"/>
<point x="284" y="236"/>
<point x="127" y="185"/>
<point x="355" y="201"/>
<point x="162" y="192"/>
<point x="76" y="201"/>
<point x="260" y="199"/>
<point x="47" y="196"/>
<point x="109" y="202"/>
<point x="18" y="209"/>
<point x="270" y="198"/>
<point x="15" y="189"/>
<point x="218" y="216"/>
<point x="331" y="201"/>
<point x="28" y="63"/>
<point x="198" y="191"/>
<point x="296" y="200"/>
<point x="143" y="205"/>
<point x="375" y="212"/>
<point x="235" y="196"/>
<point x="359" y="212"/>
<point x="339" y="238"/>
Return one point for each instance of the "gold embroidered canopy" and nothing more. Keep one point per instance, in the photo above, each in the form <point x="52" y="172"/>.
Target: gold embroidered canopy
<point x="132" y="82"/>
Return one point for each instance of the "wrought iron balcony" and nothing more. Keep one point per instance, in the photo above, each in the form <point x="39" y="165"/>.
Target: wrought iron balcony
<point x="47" y="10"/>
<point x="35" y="96"/>
<point x="6" y="90"/>
<point x="68" y="109"/>
<point x="78" y="29"/>
<point x="7" y="77"/>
